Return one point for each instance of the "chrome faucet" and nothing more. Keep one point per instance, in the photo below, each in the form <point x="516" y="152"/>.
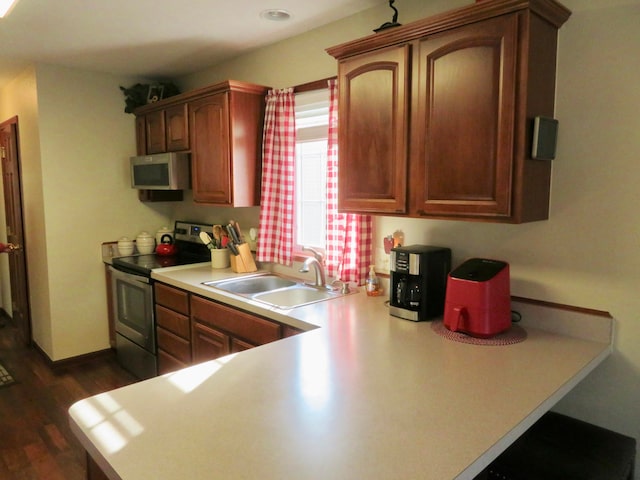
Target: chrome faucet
<point x="316" y="261"/>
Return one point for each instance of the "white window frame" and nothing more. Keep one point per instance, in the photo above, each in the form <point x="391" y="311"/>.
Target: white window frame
<point x="311" y="107"/>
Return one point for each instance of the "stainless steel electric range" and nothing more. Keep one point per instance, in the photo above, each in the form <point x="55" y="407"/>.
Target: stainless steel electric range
<point x="133" y="302"/>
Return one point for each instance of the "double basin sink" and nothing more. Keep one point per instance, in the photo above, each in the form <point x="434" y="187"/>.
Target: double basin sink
<point x="276" y="291"/>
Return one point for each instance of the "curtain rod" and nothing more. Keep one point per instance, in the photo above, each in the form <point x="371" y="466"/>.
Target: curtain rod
<point x="310" y="86"/>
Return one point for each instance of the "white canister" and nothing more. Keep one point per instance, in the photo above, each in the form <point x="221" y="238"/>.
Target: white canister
<point x="145" y="243"/>
<point x="162" y="232"/>
<point x="125" y="246"/>
<point x="220" y="258"/>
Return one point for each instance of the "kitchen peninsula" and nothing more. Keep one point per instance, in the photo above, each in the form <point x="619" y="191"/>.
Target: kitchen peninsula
<point x="363" y="395"/>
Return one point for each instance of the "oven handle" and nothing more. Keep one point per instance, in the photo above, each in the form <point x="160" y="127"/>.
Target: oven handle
<point x="131" y="277"/>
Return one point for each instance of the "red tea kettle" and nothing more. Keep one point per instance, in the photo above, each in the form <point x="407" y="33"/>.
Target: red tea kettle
<point x="166" y="247"/>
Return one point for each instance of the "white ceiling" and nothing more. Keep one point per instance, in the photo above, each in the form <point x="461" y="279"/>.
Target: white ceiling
<point x="156" y="39"/>
<point x="161" y="39"/>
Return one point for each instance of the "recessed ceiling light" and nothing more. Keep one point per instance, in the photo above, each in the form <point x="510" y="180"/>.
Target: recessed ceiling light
<point x="275" y="14"/>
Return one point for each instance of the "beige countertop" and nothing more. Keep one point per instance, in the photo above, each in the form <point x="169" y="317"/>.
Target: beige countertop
<point x="366" y="395"/>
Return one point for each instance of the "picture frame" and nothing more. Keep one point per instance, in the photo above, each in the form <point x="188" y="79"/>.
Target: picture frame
<point x="155" y="93"/>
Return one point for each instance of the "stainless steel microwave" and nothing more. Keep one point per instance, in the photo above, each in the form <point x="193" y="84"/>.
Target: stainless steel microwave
<point x="161" y="171"/>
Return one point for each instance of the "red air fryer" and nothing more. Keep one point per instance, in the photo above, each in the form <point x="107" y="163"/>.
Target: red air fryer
<point x="478" y="299"/>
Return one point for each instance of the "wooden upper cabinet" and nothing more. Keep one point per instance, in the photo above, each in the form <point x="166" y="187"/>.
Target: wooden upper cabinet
<point x="177" y="128"/>
<point x="141" y="135"/>
<point x="221" y="126"/>
<point x="372" y="174"/>
<point x="464" y="120"/>
<point x="167" y="130"/>
<point x="155" y="132"/>
<point x="226" y="145"/>
<point x="479" y="75"/>
<point x="211" y="157"/>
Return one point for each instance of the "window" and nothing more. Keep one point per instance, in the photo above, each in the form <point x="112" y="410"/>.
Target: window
<point x="312" y="120"/>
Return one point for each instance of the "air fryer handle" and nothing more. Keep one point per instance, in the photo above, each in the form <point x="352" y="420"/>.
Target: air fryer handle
<point x="459" y="317"/>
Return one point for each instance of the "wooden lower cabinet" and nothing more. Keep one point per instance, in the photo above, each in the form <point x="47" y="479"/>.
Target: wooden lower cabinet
<point x="208" y="343"/>
<point x="238" y="324"/>
<point x="289" y="331"/>
<point x="173" y="328"/>
<point x="93" y="470"/>
<point x="192" y="329"/>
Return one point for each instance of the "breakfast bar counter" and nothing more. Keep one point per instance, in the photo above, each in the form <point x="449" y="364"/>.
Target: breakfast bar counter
<point x="364" y="396"/>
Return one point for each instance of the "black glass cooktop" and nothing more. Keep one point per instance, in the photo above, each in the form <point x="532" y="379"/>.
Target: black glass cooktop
<point x="143" y="264"/>
<point x="190" y="250"/>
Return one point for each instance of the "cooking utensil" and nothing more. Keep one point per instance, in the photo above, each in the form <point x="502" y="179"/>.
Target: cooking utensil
<point x="233" y="234"/>
<point x="206" y="239"/>
<point x="234" y="240"/>
<point x="236" y="227"/>
<point x="217" y="235"/>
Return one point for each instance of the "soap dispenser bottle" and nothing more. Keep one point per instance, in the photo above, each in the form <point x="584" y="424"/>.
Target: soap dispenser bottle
<point x="373" y="285"/>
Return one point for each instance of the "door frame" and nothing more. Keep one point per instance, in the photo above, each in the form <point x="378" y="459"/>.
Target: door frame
<point x="19" y="258"/>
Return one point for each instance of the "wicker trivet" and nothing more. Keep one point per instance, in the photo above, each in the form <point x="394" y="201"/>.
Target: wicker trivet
<point x="515" y="334"/>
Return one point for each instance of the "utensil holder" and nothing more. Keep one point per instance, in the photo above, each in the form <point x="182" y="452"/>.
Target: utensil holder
<point x="220" y="258"/>
<point x="244" y="261"/>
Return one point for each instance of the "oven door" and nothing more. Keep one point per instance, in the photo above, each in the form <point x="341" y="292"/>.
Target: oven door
<point x="133" y="308"/>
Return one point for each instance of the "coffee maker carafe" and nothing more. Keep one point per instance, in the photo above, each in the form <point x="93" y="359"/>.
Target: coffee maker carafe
<point x="418" y="281"/>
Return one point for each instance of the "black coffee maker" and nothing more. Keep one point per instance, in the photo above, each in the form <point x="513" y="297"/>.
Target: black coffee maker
<point x="418" y="281"/>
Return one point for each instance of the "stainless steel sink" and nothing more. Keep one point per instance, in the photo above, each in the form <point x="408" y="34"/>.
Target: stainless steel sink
<point x="296" y="296"/>
<point x="253" y="284"/>
<point x="275" y="290"/>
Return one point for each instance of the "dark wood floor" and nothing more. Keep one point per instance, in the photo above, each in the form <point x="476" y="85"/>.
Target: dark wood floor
<point x="36" y="442"/>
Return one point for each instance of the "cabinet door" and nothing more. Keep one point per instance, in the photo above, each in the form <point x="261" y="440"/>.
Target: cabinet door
<point x="155" y="137"/>
<point x="463" y="133"/>
<point x="373" y="131"/>
<point x="141" y="135"/>
<point x="177" y="128"/>
<point x="240" y="345"/>
<point x="208" y="343"/>
<point x="210" y="150"/>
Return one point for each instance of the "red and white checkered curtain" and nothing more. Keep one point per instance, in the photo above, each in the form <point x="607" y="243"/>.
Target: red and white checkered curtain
<point x="349" y="236"/>
<point x="275" y="242"/>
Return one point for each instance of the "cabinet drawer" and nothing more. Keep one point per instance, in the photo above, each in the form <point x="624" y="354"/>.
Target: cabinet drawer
<point x="173" y="344"/>
<point x="173" y="321"/>
<point x="172" y="298"/>
<point x="248" y="327"/>
<point x="168" y="363"/>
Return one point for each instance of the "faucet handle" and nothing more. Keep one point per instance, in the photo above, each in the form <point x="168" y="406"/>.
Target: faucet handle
<point x="315" y="253"/>
<point x="344" y="286"/>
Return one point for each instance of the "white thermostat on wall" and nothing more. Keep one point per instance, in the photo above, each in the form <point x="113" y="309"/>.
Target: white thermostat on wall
<point x="545" y="138"/>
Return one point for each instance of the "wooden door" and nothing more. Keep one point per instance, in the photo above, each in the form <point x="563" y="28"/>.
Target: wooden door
<point x="373" y="129"/>
<point x="177" y="123"/>
<point x="207" y="343"/>
<point x="155" y="132"/>
<point x="463" y="123"/>
<point x="12" y="184"/>
<point x="210" y="150"/>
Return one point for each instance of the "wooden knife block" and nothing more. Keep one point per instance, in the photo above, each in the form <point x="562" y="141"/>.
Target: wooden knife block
<point x="244" y="261"/>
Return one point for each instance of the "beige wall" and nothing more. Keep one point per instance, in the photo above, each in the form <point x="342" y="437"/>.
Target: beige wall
<point x="75" y="142"/>
<point x="19" y="98"/>
<point x="588" y="253"/>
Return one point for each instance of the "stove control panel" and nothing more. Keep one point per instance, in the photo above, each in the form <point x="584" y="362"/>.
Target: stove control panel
<point x="190" y="232"/>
